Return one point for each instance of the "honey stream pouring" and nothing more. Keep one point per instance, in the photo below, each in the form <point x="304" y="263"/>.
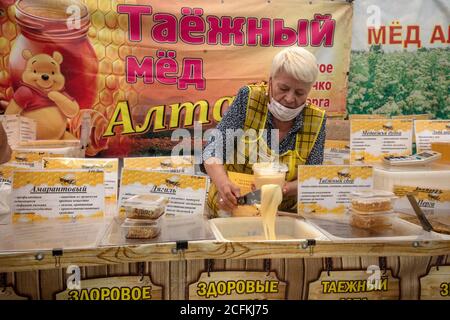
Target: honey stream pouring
<point x="271" y="197"/>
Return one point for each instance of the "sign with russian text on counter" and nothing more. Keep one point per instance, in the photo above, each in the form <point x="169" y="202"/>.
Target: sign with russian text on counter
<point x="372" y="140"/>
<point x="186" y="193"/>
<point x="31" y="159"/>
<point x="355" y="285"/>
<point x="176" y="164"/>
<point x="336" y="152"/>
<point x="6" y="174"/>
<point x="428" y="199"/>
<point x="436" y="284"/>
<point x="428" y="131"/>
<point x="237" y="285"/>
<point x="64" y="194"/>
<point x="326" y="189"/>
<point x="113" y="288"/>
<point x="109" y="166"/>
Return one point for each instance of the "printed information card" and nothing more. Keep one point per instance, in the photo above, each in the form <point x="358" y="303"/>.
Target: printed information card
<point x="336" y="152"/>
<point x="372" y="140"/>
<point x="326" y="189"/>
<point x="186" y="193"/>
<point x="67" y="194"/>
<point x="176" y="164"/>
<point x="428" y="131"/>
<point x="109" y="166"/>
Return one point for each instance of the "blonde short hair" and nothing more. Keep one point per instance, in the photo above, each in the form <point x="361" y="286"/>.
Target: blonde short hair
<point x="297" y="62"/>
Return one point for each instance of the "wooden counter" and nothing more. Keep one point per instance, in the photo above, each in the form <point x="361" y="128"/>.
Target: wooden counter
<point x="198" y="250"/>
<point x="39" y="275"/>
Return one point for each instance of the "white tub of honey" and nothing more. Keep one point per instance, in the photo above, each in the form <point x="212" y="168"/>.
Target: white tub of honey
<point x="251" y="229"/>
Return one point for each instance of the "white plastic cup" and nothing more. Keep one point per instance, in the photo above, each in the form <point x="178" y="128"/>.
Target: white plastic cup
<point x="269" y="173"/>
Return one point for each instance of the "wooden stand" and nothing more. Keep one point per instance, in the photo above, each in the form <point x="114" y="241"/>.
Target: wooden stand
<point x="41" y="275"/>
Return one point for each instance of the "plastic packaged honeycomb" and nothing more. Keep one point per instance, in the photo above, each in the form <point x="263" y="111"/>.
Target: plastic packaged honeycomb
<point x="372" y="201"/>
<point x="141" y="229"/>
<point x="371" y="221"/>
<point x="145" y="207"/>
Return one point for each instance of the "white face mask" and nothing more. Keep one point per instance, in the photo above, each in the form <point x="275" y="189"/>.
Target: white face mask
<point x="281" y="112"/>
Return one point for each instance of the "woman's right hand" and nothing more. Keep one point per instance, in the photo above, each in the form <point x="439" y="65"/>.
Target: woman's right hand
<point x="228" y="194"/>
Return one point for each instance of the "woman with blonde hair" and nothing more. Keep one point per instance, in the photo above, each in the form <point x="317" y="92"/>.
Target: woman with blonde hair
<point x="282" y="105"/>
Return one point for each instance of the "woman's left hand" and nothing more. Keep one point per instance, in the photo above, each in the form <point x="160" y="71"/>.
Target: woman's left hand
<point x="289" y="189"/>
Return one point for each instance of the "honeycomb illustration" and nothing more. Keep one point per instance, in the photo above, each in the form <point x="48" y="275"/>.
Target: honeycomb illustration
<point x="53" y="178"/>
<point x="130" y="176"/>
<point x="332" y="172"/>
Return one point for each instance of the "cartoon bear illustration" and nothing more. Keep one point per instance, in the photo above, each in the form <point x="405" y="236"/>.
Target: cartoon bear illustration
<point x="42" y="97"/>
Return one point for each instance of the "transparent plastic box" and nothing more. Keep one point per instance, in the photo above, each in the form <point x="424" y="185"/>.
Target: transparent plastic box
<point x="372" y="201"/>
<point x="433" y="175"/>
<point x="141" y="229"/>
<point x="372" y="220"/>
<point x="145" y="207"/>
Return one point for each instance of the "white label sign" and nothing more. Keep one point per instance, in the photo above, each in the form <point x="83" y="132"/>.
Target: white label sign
<point x="186" y="193"/>
<point x="326" y="189"/>
<point x="428" y="131"/>
<point x="372" y="140"/>
<point x="40" y="195"/>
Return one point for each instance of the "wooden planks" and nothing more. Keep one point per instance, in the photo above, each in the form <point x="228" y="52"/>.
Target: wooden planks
<point x="410" y="271"/>
<point x="27" y="284"/>
<point x="10" y="262"/>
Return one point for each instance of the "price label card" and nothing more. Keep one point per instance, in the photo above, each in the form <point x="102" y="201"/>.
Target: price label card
<point x="428" y="131"/>
<point x="186" y="193"/>
<point x="336" y="152"/>
<point x="109" y="166"/>
<point x="6" y="174"/>
<point x="326" y="189"/>
<point x="372" y="140"/>
<point x="65" y="194"/>
<point x="30" y="159"/>
<point x="178" y="164"/>
<point x="428" y="199"/>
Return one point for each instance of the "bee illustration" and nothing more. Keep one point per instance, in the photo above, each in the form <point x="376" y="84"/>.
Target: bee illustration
<point x="359" y="158"/>
<point x="173" y="181"/>
<point x="67" y="179"/>
<point x="166" y="163"/>
<point x="433" y="196"/>
<point x="343" y="173"/>
<point x="309" y="210"/>
<point x="21" y="158"/>
<point x="388" y="126"/>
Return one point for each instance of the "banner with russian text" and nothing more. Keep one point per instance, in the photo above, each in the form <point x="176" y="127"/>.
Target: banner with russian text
<point x="142" y="69"/>
<point x="400" y="58"/>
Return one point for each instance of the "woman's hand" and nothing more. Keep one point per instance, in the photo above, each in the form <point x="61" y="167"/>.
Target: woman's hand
<point x="290" y="189"/>
<point x="228" y="194"/>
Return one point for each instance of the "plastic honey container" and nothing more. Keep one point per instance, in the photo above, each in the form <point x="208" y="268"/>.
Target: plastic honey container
<point x="269" y="173"/>
<point x="141" y="229"/>
<point x="145" y="207"/>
